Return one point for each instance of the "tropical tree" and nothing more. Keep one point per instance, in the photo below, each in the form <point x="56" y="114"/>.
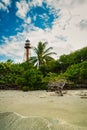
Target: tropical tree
<point x="77" y="72"/>
<point x="43" y="54"/>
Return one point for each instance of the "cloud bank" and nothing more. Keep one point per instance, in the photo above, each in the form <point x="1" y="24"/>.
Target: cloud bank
<point x="67" y="33"/>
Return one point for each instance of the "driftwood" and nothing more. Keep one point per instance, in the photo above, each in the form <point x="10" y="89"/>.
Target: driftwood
<point x="85" y="97"/>
<point x="56" y="86"/>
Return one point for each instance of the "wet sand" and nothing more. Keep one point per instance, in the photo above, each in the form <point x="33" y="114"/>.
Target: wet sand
<point x="70" y="109"/>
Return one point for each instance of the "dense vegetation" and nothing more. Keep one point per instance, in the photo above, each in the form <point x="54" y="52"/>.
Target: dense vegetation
<point x="26" y="76"/>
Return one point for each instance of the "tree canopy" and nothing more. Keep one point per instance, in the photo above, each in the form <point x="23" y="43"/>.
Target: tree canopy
<point x="43" y="54"/>
<point x="25" y="76"/>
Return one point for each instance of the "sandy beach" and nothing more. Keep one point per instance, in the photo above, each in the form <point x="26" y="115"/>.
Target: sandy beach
<point x="41" y="110"/>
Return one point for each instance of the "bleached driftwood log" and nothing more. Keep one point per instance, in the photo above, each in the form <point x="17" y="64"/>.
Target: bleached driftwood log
<point x="56" y="86"/>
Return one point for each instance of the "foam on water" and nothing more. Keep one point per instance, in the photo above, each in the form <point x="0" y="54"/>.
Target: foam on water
<point x="15" y="121"/>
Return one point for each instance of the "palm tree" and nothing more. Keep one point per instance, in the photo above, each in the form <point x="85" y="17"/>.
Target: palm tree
<point x="42" y="54"/>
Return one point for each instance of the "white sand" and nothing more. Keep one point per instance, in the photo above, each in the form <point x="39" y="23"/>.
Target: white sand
<point x="70" y="108"/>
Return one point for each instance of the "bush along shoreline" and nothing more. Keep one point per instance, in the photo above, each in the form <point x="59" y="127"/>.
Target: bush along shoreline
<point x="72" y="68"/>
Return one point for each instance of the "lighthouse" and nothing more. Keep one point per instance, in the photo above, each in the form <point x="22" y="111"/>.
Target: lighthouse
<point x="27" y="47"/>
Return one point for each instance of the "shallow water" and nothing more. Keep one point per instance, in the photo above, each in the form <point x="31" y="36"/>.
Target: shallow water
<point x="14" y="121"/>
<point x="39" y="110"/>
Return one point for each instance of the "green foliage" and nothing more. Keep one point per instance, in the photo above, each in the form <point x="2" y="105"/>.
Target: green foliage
<point x="77" y="72"/>
<point x="71" y="68"/>
<point x="43" y="54"/>
<point x="53" y="77"/>
<point x="31" y="78"/>
<point x="52" y="66"/>
<point x="25" y="88"/>
<point x="20" y="75"/>
<point x="73" y="58"/>
<point x="9" y="74"/>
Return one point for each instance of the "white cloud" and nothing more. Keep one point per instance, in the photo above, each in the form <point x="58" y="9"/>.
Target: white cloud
<point x="23" y="9"/>
<point x="6" y="2"/>
<point x="34" y="17"/>
<point x="68" y="33"/>
<point x="4" y="5"/>
<point x="83" y="24"/>
<point x="44" y="16"/>
<point x="28" y="20"/>
<point x="35" y="3"/>
<point x="13" y="48"/>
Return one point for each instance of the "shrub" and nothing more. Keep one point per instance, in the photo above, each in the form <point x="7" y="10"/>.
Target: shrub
<point x="25" y="88"/>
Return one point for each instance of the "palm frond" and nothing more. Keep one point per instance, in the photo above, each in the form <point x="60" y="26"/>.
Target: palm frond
<point x="48" y="54"/>
<point x="42" y="54"/>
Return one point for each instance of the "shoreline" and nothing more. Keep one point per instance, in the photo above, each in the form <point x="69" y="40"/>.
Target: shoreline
<point x="70" y="107"/>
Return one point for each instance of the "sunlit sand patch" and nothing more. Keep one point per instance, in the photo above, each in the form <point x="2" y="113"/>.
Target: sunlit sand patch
<point x="48" y="94"/>
<point x="39" y="110"/>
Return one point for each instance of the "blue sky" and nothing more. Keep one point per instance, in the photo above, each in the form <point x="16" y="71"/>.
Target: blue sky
<point x="62" y="23"/>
